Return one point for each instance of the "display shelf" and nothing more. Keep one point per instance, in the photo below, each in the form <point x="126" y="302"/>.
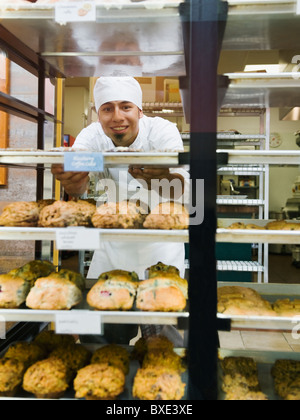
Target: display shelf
<point x="50" y="234"/>
<point x="236" y="201"/>
<point x="106" y="317"/>
<point x="262" y="25"/>
<point x="152" y="32"/>
<point x="242" y="266"/>
<point x="20" y="157"/>
<point x="270" y="292"/>
<point x="260" y="157"/>
<point x="262" y="90"/>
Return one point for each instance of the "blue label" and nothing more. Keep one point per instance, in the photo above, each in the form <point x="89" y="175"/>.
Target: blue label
<point x="83" y="162"/>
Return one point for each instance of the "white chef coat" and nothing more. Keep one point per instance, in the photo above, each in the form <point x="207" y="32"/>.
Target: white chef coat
<point x="154" y="134"/>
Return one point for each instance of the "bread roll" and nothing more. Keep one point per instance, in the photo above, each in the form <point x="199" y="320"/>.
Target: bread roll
<point x="114" y="290"/>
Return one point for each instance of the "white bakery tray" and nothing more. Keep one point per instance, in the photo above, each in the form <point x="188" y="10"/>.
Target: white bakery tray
<point x="270" y="292"/>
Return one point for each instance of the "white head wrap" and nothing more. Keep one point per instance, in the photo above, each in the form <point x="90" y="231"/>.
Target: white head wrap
<point x="109" y="89"/>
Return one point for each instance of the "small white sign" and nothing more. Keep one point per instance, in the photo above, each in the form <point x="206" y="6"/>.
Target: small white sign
<point x="77" y="238"/>
<point x="298" y="7"/>
<point x="2" y="328"/>
<point x="83" y="11"/>
<point x="78" y="322"/>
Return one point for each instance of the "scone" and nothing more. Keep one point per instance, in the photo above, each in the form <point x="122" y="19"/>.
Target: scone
<point x="114" y="355"/>
<point x="165" y="292"/>
<point x="143" y="345"/>
<point x="48" y="340"/>
<point x="169" y="215"/>
<point x="237" y="300"/>
<point x="164" y="358"/>
<point x="13" y="291"/>
<point x="72" y="276"/>
<point x="11" y="376"/>
<point x="52" y="293"/>
<point x="158" y="383"/>
<point x="47" y="378"/>
<point x="33" y="270"/>
<point x="122" y="215"/>
<point x="25" y="352"/>
<point x="74" y="356"/>
<point x="276" y="225"/>
<point x="237" y="225"/>
<point x="67" y="213"/>
<point x="157" y="268"/>
<point x="20" y="214"/>
<point x="99" y="381"/>
<point x="114" y="290"/>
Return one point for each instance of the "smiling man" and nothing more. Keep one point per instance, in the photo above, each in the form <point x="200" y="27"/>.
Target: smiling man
<point x="121" y="123"/>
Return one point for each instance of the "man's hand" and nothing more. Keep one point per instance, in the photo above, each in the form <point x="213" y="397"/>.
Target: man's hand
<point x="74" y="183"/>
<point x="150" y="174"/>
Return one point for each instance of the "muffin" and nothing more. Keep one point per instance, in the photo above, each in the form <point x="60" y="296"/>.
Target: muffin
<point x="49" y="341"/>
<point x="53" y="293"/>
<point x="74" y="356"/>
<point x="158" y="383"/>
<point x="122" y="215"/>
<point x="11" y="376"/>
<point x="114" y="290"/>
<point x="13" y="291"/>
<point x="47" y="378"/>
<point x="67" y="213"/>
<point x="25" y="352"/>
<point x="113" y="355"/>
<point x="99" y="381"/>
<point x="20" y="214"/>
<point x="169" y="215"/>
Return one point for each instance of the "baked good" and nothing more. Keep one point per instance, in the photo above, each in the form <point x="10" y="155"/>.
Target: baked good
<point x="252" y="226"/>
<point x="286" y="375"/>
<point x="287" y="307"/>
<point x="122" y="215"/>
<point x="72" y="276"/>
<point x="99" y="381"/>
<point x="157" y="268"/>
<point x="74" y="356"/>
<point x="21" y="214"/>
<point x="114" y="355"/>
<point x="237" y="300"/>
<point x="11" y="376"/>
<point x="48" y="340"/>
<point x="114" y="290"/>
<point x="276" y="225"/>
<point x="158" y="383"/>
<point x="164" y="358"/>
<point x="33" y="270"/>
<point x="164" y="292"/>
<point x="13" y="291"/>
<point x="67" y="213"/>
<point x="26" y="352"/>
<point x="237" y="225"/>
<point x="53" y="293"/>
<point x="143" y="345"/>
<point x="292" y="226"/>
<point x="169" y="215"/>
<point x="240" y="379"/>
<point x="47" y="378"/>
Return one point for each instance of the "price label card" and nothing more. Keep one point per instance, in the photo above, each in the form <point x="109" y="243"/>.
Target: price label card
<point x="83" y="162"/>
<point x="298" y="7"/>
<point x="82" y="11"/>
<point x="2" y="328"/>
<point x="77" y="238"/>
<point x="78" y="322"/>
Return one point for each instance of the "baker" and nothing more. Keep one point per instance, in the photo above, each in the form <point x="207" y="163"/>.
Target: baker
<point x="121" y="123"/>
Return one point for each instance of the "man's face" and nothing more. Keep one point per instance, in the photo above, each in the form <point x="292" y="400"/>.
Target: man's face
<point x="120" y="121"/>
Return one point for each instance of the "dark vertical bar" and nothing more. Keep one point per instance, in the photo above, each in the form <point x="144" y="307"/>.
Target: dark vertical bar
<point x="203" y="119"/>
<point x="40" y="128"/>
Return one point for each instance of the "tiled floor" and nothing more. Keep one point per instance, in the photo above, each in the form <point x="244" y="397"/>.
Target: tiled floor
<point x="281" y="270"/>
